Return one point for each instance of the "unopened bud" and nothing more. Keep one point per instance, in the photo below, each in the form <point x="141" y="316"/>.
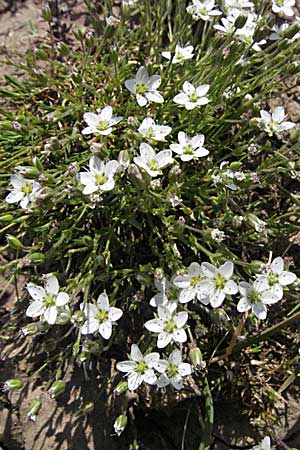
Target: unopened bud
<point x="30" y="330"/>
<point x="240" y="21"/>
<point x="34" y="408"/>
<point x="37" y="163"/>
<point x="120" y="424"/>
<point x="14" y="384"/>
<point x="6" y="218"/>
<point x="46" y="12"/>
<point x="57" y="388"/>
<point x="196" y="357"/>
<point x="79" y="33"/>
<point x="14" y="242"/>
<point x="257" y="266"/>
<point x="136" y="177"/>
<point x="41" y="54"/>
<point x="88" y="407"/>
<point x="291" y="31"/>
<point x="121" y="388"/>
<point x="63" y="49"/>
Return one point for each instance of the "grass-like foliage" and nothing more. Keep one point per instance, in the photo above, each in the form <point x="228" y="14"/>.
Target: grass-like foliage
<point x="150" y="195"/>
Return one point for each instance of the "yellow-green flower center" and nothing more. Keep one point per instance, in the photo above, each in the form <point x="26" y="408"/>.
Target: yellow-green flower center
<point x="220" y="281"/>
<point x="193" y="97"/>
<point x="102" y="316"/>
<point x="272" y="279"/>
<point x="141" y="89"/>
<point x="101" y="179"/>
<point x="102" y="125"/>
<point x="153" y="164"/>
<point x="178" y="55"/>
<point x="170" y="327"/>
<point x="141" y="367"/>
<point x="188" y="150"/>
<point x="49" y="300"/>
<point x="149" y="133"/>
<point x="195" y="280"/>
<point x="254" y="297"/>
<point x="172" y="370"/>
<point x="26" y="188"/>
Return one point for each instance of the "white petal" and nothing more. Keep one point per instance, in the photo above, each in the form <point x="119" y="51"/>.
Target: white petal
<point x="91" y="119"/>
<point x="150" y="377"/>
<point x="164" y="158"/>
<point x="231" y="288"/>
<point x="163" y="381"/>
<point x="181" y="98"/>
<point x="243" y="305"/>
<point x="141" y="100"/>
<point x="155" y="325"/>
<point x="202" y="90"/>
<point x="179" y="335"/>
<point x="90" y="326"/>
<point x="261" y="284"/>
<point x="62" y="299"/>
<point x="226" y="270"/>
<point x="269" y="298"/>
<point x="14" y="196"/>
<point x="36" y="292"/>
<point x="105" y="329"/>
<point x="114" y="314"/>
<point x="180" y="319"/>
<point x="89" y="130"/>
<point x="142" y="75"/>
<point x="278" y="114"/>
<point x="217" y="298"/>
<point x="96" y="165"/>
<point x="52" y="286"/>
<point x="147" y="151"/>
<point x="131" y="85"/>
<point x="245" y="288"/>
<point x="161" y="365"/>
<point x="90" y="310"/>
<point x="135" y="353"/>
<point x="182" y="281"/>
<point x="177" y="382"/>
<point x="134" y="381"/>
<point x="277" y="265"/>
<point x="163" y="339"/>
<point x="164" y="313"/>
<point x="195" y="270"/>
<point x="209" y="270"/>
<point x="151" y="358"/>
<point x="50" y="315"/>
<point x="126" y="366"/>
<point x="260" y="310"/>
<point x="36" y="309"/>
<point x="286" y="278"/>
<point x="175" y="357"/>
<point x="166" y="54"/>
<point x="103" y="302"/>
<point x="106" y="114"/>
<point x="17" y="181"/>
<point x="154" y="96"/>
<point x="188" y="88"/>
<point x="277" y="291"/>
<point x="154" y="82"/>
<point x="184" y="369"/>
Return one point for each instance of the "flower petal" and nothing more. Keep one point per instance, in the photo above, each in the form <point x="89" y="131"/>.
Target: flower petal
<point x="150" y="377"/>
<point x="35" y="309"/>
<point x="163" y="339"/>
<point x="114" y="314"/>
<point x="52" y="286"/>
<point x="126" y="366"/>
<point x="105" y="329"/>
<point x="103" y="302"/>
<point x="134" y="381"/>
<point x="36" y="292"/>
<point x="135" y="353"/>
<point x="62" y="299"/>
<point x="226" y="269"/>
<point x="50" y="315"/>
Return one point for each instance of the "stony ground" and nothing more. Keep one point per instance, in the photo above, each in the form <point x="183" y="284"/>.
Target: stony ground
<point x="59" y="425"/>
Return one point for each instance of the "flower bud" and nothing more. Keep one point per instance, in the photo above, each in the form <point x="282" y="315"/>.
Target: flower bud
<point x="46" y="12"/>
<point x="291" y="31"/>
<point x="36" y="257"/>
<point x="120" y="424"/>
<point x="14" y="242"/>
<point x="240" y="21"/>
<point x="256" y="266"/>
<point x="123" y="160"/>
<point x="196" y="357"/>
<point x="57" y="388"/>
<point x="37" y="163"/>
<point x="136" y="177"/>
<point x="41" y="54"/>
<point x="14" y="384"/>
<point x="63" y="49"/>
<point x="79" y="33"/>
<point x="121" y="388"/>
<point x="30" y="330"/>
<point x="34" y="408"/>
<point x="6" y="218"/>
<point x="88" y="407"/>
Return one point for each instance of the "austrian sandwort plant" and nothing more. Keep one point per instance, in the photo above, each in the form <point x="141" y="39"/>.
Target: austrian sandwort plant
<point x="150" y="199"/>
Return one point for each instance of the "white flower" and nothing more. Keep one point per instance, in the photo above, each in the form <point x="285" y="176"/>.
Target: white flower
<point x="256" y="297"/>
<point x="100" y="123"/>
<point x="264" y="445"/>
<point x="167" y="291"/>
<point x="277" y="277"/>
<point x="283" y="6"/>
<point x="203" y="10"/>
<point x="189" y="285"/>
<point x="227" y="26"/>
<point x="129" y="2"/>
<point x="217" y="235"/>
<point x="277" y="31"/>
<point x="229" y="5"/>
<point x="180" y="55"/>
<point x="246" y="33"/>
<point x="217" y="283"/>
<point x="152" y="162"/>
<point x="112" y="21"/>
<point x="274" y="122"/>
<point x="189" y="147"/>
<point x="46" y="300"/>
<point x="172" y="371"/>
<point x="151" y="130"/>
<point x="99" y="177"/>
<point x="139" y="368"/>
<point x="24" y="191"/>
<point x="145" y="87"/>
<point x="191" y="96"/>
<point x="168" y="325"/>
<point x="100" y="317"/>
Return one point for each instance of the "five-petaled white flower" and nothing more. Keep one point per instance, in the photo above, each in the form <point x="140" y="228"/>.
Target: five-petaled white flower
<point x="189" y="147"/>
<point x="203" y="9"/>
<point x="168" y="325"/>
<point x="192" y="97"/>
<point x="173" y="370"/>
<point x="139" y="368"/>
<point x="274" y="122"/>
<point x="217" y="283"/>
<point x="101" y="123"/>
<point x="47" y="300"/>
<point x="145" y="87"/>
<point x="99" y="177"/>
<point x="256" y="297"/>
<point x="189" y="285"/>
<point x="152" y="162"/>
<point x="24" y="191"/>
<point x="100" y="317"/>
<point x="151" y="130"/>
<point x="283" y="6"/>
<point x="277" y="277"/>
<point x="180" y="55"/>
<point x="264" y="445"/>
